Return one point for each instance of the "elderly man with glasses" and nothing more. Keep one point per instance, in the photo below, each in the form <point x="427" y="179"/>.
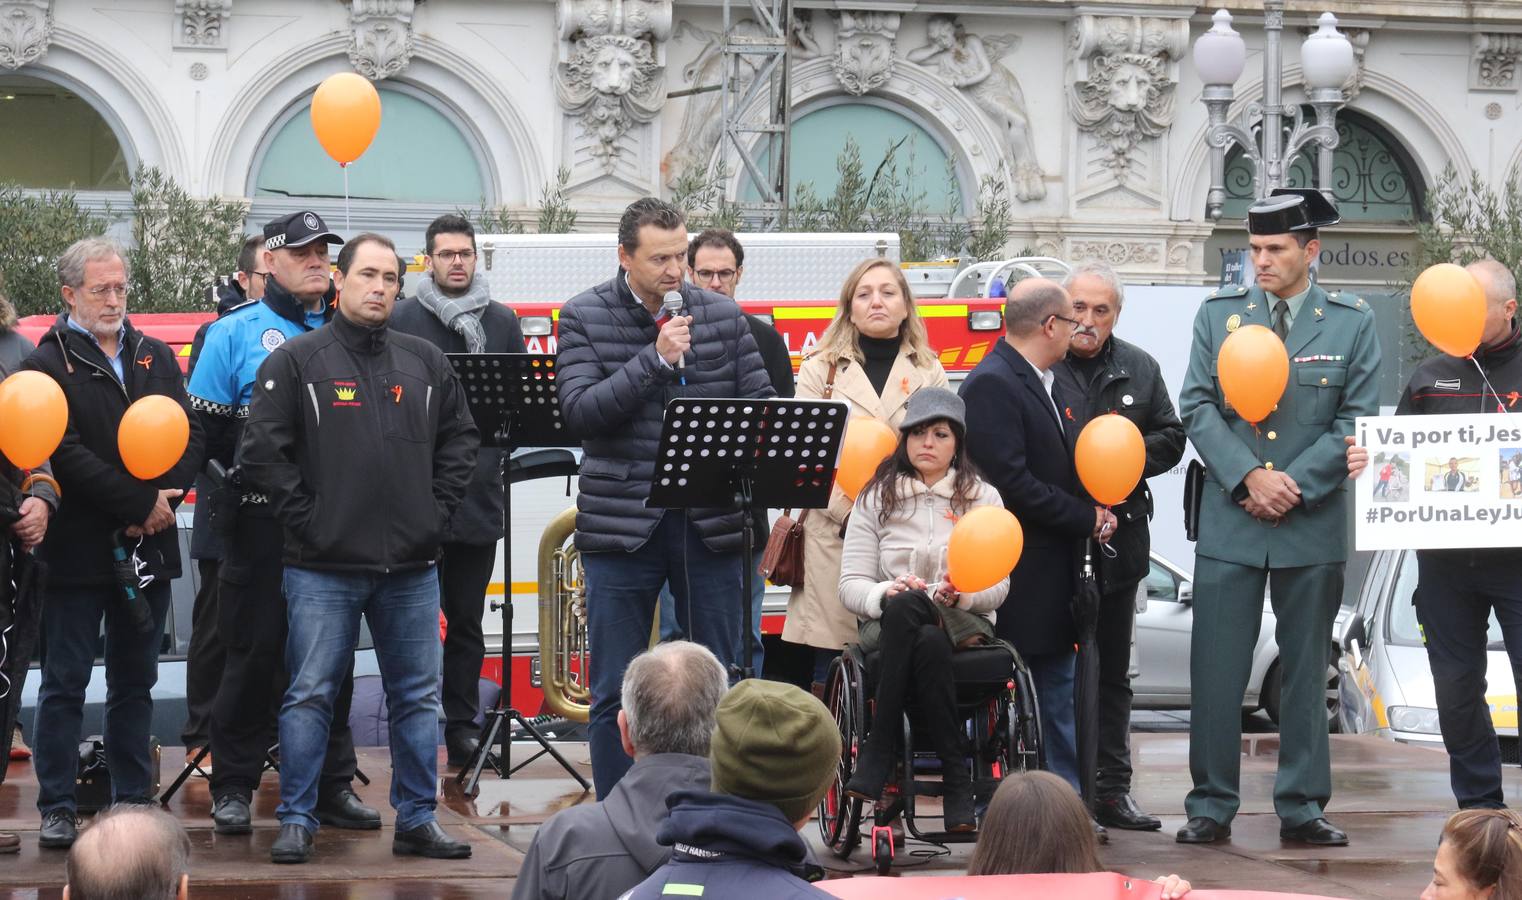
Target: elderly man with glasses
<point x="112" y="549"/>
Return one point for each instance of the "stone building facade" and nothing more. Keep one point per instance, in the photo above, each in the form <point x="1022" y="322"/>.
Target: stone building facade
<point x="1088" y="115"/>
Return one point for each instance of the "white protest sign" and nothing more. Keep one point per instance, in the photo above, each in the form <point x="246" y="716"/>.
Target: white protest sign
<point x="1439" y="482"/>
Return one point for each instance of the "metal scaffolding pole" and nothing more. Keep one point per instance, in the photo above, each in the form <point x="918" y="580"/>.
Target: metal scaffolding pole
<point x="761" y="146"/>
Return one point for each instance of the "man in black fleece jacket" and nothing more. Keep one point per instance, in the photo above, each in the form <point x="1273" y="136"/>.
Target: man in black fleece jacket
<point x="103" y="365"/>
<point x="361" y="438"/>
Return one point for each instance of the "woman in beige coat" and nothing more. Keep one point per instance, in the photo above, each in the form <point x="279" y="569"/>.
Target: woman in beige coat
<point x="874" y="355"/>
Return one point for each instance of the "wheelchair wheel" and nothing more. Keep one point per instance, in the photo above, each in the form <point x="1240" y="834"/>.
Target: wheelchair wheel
<point x="839" y="813"/>
<point x="1023" y="750"/>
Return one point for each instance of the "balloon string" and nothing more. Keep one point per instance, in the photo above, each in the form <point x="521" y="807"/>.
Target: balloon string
<point x="345" y="167"/>
<point x="1500" y="404"/>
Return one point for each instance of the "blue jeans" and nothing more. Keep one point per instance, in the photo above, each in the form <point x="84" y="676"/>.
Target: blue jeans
<point x="622" y="589"/>
<point x="323" y="610"/>
<point x="670" y="631"/>
<point x="71" y="619"/>
<point x="1053" y="674"/>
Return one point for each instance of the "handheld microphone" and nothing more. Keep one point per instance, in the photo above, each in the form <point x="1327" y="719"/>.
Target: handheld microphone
<point x="671" y="304"/>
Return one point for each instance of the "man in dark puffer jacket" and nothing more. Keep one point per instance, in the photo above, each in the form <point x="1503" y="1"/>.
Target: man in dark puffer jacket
<point x="621" y="360"/>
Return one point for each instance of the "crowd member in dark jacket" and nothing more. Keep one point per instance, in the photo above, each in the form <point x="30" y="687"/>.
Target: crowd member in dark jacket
<point x="453" y="310"/>
<point x="103" y="365"/>
<point x="671" y="693"/>
<point x="361" y="438"/>
<point x="622" y="357"/>
<point x="206" y="655"/>
<point x="716" y="262"/>
<point x="1103" y="374"/>
<point x="1458" y="590"/>
<point x="14" y="346"/>
<point x="774" y="753"/>
<point x="1020" y="433"/>
<point x="251" y="608"/>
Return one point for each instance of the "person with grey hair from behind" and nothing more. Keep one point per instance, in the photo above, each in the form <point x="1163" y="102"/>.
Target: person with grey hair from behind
<point x="670" y="694"/>
<point x="132" y="852"/>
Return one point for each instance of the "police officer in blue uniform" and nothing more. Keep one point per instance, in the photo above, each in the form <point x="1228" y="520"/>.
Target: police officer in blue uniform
<point x="251" y="619"/>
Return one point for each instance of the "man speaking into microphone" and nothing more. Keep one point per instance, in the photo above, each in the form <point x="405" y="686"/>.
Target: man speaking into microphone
<point x="627" y="347"/>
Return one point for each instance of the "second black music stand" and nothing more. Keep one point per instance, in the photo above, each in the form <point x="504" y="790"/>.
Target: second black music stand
<point x="512" y="398"/>
<point x="722" y="453"/>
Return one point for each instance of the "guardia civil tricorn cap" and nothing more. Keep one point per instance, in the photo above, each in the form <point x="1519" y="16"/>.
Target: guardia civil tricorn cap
<point x="297" y="229"/>
<point x="1291" y="209"/>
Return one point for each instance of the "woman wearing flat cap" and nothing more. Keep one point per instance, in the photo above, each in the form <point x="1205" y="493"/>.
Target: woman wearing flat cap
<point x="893" y="577"/>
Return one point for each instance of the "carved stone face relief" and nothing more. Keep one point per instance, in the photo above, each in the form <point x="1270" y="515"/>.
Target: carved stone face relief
<point x="26" y="30"/>
<point x="1130" y="87"/>
<point x="864" y="45"/>
<point x="613" y="70"/>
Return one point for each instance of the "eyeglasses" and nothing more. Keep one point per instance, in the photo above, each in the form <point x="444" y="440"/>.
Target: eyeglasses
<point x="106" y="290"/>
<point x="721" y="274"/>
<point x="450" y="256"/>
<point x="1073" y="322"/>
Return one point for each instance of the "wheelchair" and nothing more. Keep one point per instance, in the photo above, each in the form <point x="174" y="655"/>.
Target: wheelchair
<point x="999" y="711"/>
<point x="998" y="708"/>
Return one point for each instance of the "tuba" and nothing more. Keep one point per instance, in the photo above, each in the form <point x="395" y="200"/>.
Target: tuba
<point x="563" y="622"/>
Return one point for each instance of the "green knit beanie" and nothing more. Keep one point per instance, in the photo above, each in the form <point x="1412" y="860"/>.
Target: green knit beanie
<point x="774" y="743"/>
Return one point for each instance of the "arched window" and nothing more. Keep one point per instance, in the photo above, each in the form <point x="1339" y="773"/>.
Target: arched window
<point x="819" y="136"/>
<point x="420" y="154"/>
<point x="50" y="137"/>
<point x="1373" y="177"/>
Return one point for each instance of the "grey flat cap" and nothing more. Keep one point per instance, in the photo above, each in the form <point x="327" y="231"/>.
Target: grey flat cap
<point x="931" y="404"/>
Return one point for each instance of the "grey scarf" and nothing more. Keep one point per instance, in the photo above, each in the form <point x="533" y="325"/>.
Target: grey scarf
<point x="462" y="313"/>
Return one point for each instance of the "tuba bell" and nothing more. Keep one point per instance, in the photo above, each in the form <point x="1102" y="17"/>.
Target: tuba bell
<point x="563" y="622"/>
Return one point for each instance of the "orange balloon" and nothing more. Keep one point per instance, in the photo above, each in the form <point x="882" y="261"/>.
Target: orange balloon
<point x="152" y="436"/>
<point x="985" y="545"/>
<point x="867" y="443"/>
<point x="33" y="415"/>
<point x="1448" y="306"/>
<point x="1110" y="456"/>
<point x="1254" y="369"/>
<point x="346" y="114"/>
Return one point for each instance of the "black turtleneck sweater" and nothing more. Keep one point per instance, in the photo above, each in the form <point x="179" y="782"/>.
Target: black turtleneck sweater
<point x="878" y="355"/>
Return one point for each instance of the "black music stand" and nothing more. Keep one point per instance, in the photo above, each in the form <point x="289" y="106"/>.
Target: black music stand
<point x="512" y="398"/>
<point x="724" y="453"/>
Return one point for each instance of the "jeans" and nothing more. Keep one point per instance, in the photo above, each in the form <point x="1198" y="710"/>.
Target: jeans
<point x="71" y="620"/>
<point x="464" y="574"/>
<point x="670" y="631"/>
<point x="1053" y="676"/>
<point x="622" y="589"/>
<point x="1453" y="603"/>
<point x="323" y="609"/>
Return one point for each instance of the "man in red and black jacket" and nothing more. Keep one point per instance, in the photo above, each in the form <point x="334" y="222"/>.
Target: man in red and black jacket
<point x="112" y="549"/>
<point x="1456" y="590"/>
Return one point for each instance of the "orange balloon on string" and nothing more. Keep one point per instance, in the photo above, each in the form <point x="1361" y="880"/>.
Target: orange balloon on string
<point x="152" y="436"/>
<point x="33" y="416"/>
<point x="984" y="547"/>
<point x="1110" y="456"/>
<point x="1448" y="306"/>
<point x="1254" y="370"/>
<point x="346" y="114"/>
<point x="867" y="443"/>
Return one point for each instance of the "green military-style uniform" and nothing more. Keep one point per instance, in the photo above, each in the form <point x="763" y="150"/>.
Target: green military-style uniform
<point x="1334" y="360"/>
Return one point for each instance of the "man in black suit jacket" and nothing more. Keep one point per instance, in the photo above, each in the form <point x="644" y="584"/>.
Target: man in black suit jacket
<point x="1018" y="434"/>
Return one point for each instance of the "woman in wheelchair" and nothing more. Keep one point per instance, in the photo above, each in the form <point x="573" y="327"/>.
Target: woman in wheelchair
<point x="892" y="577"/>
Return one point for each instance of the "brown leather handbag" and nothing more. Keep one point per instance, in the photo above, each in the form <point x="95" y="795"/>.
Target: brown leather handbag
<point x="782" y="562"/>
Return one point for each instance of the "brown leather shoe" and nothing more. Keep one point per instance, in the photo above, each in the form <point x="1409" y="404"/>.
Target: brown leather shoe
<point x="9" y="842"/>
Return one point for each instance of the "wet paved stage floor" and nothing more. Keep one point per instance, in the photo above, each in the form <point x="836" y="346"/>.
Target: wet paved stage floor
<point x="1391" y="799"/>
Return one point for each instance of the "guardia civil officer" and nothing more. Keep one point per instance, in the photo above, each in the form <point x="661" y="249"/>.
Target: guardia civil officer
<point x="1273" y="510"/>
<point x="251" y="614"/>
<point x="1456" y="590"/>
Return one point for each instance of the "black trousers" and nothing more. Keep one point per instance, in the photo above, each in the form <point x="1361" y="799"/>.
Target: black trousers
<point x="204" y="660"/>
<point x="1453" y="603"/>
<point x="1117" y="615"/>
<point x="914" y="665"/>
<point x="251" y="624"/>
<point x="464" y="574"/>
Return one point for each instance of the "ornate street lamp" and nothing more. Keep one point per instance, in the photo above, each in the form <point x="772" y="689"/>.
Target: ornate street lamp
<point x="1220" y="56"/>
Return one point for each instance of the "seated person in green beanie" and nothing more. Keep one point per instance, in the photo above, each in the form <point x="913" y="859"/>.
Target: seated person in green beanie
<point x="773" y="754"/>
<point x="602" y="849"/>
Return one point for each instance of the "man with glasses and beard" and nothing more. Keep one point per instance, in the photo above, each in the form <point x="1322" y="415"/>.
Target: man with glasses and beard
<point x="103" y="365"/>
<point x="251" y="621"/>
<point x="452" y="309"/>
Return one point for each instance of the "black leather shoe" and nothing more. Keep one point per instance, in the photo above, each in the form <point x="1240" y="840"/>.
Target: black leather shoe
<point x="1317" y="831"/>
<point x="231" y="815"/>
<point x="1100" y="834"/>
<point x="462" y="749"/>
<point x="1203" y="830"/>
<point x="59" y="830"/>
<point x="1121" y="812"/>
<point x="429" y="840"/>
<point x="293" y="845"/>
<point x="343" y="810"/>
